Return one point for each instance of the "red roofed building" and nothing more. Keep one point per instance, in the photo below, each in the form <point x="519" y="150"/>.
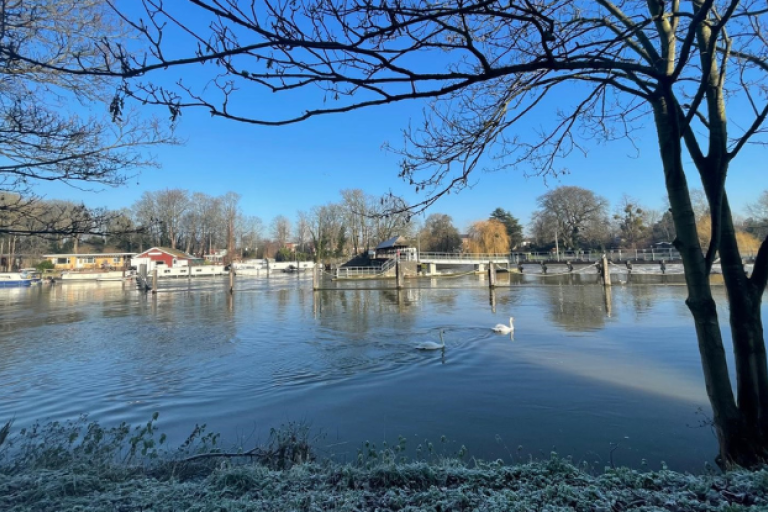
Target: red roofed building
<point x="165" y="258"/>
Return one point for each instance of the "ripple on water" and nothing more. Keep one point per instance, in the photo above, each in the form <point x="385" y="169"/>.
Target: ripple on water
<point x="346" y="360"/>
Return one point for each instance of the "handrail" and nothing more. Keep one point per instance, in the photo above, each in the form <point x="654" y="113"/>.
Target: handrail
<point x="647" y="254"/>
<point x="388" y="265"/>
<point x="357" y="271"/>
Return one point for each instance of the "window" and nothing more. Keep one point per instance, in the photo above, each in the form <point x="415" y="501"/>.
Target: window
<point x="87" y="260"/>
<point x="166" y="271"/>
<point x="62" y="261"/>
<point x="115" y="260"/>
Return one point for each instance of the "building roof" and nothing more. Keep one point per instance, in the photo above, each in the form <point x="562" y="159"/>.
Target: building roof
<point x="395" y="241"/>
<point x="91" y="255"/>
<point x="173" y="252"/>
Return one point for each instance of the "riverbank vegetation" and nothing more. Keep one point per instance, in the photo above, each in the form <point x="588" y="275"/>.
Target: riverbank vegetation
<point x="83" y="466"/>
<point x="199" y="223"/>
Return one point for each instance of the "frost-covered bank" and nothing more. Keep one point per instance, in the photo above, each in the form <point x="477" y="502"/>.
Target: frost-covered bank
<point x="66" y="467"/>
<point x="550" y="485"/>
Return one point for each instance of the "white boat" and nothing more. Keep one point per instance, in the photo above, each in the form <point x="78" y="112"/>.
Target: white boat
<point x="34" y="274"/>
<point x="18" y="279"/>
<point x="92" y="276"/>
<point x="187" y="271"/>
<point x="119" y="278"/>
<point x="251" y="267"/>
<point x="259" y="267"/>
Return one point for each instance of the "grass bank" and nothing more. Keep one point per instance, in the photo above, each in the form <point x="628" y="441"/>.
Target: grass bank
<point x="82" y="466"/>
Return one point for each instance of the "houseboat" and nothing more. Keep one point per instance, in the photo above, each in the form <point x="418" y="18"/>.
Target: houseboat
<point x="251" y="267"/>
<point x="263" y="266"/>
<point x="174" y="263"/>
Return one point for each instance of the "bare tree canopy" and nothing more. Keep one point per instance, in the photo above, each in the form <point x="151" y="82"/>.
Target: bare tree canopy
<point x="574" y="216"/>
<point x="57" y="126"/>
<point x="439" y="234"/>
<point x="487" y="67"/>
<point x="487" y="64"/>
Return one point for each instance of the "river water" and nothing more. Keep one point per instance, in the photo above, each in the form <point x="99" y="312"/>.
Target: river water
<point x="584" y="375"/>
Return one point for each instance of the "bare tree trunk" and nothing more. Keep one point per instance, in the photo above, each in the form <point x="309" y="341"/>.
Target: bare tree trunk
<point x="745" y="298"/>
<point x="230" y="239"/>
<point x="12" y="253"/>
<point x="737" y="444"/>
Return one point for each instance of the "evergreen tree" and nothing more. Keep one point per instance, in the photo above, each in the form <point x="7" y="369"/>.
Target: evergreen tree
<point x="512" y="225"/>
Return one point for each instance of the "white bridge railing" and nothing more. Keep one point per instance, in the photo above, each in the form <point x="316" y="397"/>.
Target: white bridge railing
<point x="535" y="257"/>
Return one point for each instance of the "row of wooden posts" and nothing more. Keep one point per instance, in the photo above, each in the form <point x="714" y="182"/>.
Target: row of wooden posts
<point x="602" y="267"/>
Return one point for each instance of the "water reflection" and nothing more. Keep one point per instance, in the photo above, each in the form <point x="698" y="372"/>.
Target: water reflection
<point x="585" y="365"/>
<point x="577" y="308"/>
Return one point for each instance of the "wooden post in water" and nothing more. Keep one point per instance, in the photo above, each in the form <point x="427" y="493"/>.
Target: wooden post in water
<point x="231" y="279"/>
<point x="608" y="301"/>
<point x="491" y="275"/>
<point x="606" y="271"/>
<point x="154" y="280"/>
<point x="398" y="275"/>
<point x="316" y="277"/>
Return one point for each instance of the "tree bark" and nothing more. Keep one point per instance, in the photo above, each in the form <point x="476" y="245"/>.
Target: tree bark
<point x="735" y="438"/>
<point x="745" y="298"/>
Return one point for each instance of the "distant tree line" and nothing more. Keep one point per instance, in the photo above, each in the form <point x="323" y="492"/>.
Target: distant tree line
<point x="573" y="218"/>
<point x="568" y="218"/>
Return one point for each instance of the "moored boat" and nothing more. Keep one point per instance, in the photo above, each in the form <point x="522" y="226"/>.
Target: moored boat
<point x="34" y="274"/>
<point x="251" y="267"/>
<point x="116" y="278"/>
<point x="18" y="279"/>
<point x="91" y="275"/>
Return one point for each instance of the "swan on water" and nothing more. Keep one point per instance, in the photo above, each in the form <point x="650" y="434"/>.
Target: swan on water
<point x="431" y="345"/>
<point x="505" y="329"/>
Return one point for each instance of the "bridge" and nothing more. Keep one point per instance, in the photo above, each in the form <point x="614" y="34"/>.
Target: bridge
<point x="569" y="258"/>
<point x="431" y="260"/>
<point x="635" y="255"/>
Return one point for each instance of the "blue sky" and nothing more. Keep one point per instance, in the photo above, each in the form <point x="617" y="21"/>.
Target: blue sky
<point x="281" y="170"/>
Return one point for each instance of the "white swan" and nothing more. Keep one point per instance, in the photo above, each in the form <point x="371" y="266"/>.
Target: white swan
<point x="505" y="329"/>
<point x="431" y="345"/>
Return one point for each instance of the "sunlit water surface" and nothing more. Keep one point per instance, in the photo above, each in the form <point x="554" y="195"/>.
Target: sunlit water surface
<point x="585" y="374"/>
